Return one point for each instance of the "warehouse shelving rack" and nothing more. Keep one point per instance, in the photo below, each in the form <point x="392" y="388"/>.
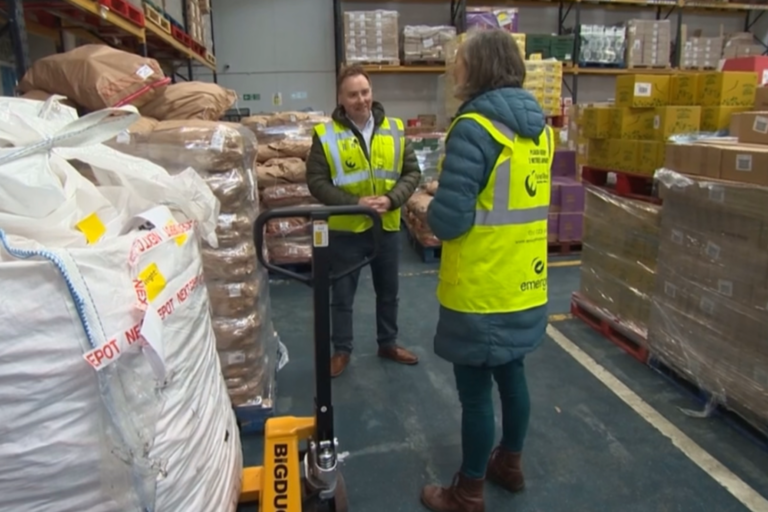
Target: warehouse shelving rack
<point x="90" y="20"/>
<point x="664" y="10"/>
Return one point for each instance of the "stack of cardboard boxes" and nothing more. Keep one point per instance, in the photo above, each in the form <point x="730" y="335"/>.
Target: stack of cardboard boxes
<point x="566" y="206"/>
<point x="423" y="43"/>
<point x="372" y="37"/>
<point x="630" y="135"/>
<point x="648" y="43"/>
<point x="725" y="97"/>
<point x="618" y="260"/>
<point x="544" y="79"/>
<point x="710" y="311"/>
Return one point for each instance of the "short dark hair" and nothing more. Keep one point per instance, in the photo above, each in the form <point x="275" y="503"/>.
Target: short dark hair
<point x="349" y="72"/>
<point x="492" y="61"/>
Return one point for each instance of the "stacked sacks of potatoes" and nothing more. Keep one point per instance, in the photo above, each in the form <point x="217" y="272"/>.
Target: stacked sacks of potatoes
<point x="224" y="155"/>
<point x="285" y="139"/>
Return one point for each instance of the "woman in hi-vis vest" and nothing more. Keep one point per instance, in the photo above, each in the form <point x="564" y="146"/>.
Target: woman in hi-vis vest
<point x="490" y="211"/>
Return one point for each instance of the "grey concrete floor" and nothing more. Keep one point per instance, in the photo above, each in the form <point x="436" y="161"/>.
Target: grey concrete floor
<point x="587" y="451"/>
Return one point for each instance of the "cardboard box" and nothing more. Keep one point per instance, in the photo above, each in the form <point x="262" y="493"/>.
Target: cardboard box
<point x="632" y="123"/>
<point x="570" y="227"/>
<point x="670" y="121"/>
<point x="626" y="156"/>
<point x="683" y="89"/>
<point x="730" y="88"/>
<point x="642" y="91"/>
<point x="761" y="98"/>
<point x="650" y="156"/>
<point x="715" y="119"/>
<point x="745" y="163"/>
<point x="564" y="163"/>
<point x="596" y="122"/>
<point x="571" y="195"/>
<point x="753" y="127"/>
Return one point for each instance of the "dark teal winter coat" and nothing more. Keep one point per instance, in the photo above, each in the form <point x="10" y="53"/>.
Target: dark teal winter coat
<point x="471" y="152"/>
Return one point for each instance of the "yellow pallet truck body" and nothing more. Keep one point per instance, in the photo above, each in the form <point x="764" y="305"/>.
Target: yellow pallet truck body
<point x="301" y="457"/>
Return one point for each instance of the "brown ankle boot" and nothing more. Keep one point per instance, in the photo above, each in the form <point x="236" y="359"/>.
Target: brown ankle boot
<point x="505" y="470"/>
<point x="464" y="495"/>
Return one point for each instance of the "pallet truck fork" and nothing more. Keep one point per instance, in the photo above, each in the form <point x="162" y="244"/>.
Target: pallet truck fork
<point x="293" y="479"/>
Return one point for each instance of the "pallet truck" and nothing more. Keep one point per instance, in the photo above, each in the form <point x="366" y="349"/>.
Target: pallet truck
<point x="295" y="478"/>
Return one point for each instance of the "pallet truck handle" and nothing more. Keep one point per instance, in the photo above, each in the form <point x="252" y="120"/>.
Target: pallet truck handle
<point x="316" y="213"/>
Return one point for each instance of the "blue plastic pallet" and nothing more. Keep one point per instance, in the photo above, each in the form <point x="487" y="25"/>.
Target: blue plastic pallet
<point x="703" y="397"/>
<point x="252" y="418"/>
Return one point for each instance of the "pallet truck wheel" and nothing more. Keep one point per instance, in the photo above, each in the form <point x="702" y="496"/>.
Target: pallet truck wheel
<point x="314" y="504"/>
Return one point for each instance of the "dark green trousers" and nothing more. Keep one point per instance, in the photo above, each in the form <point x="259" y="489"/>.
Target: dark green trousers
<point x="475" y="386"/>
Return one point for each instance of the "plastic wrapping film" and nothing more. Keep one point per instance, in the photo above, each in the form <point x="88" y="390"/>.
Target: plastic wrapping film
<point x="285" y="139"/>
<point x="224" y="155"/>
<point x="709" y="318"/>
<point x="95" y="415"/>
<point x="426" y="43"/>
<point x="619" y="254"/>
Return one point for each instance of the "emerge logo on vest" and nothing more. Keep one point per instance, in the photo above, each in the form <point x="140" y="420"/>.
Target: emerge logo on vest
<point x="538" y="282"/>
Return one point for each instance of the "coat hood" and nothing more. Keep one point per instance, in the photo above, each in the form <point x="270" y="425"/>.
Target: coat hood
<point x="514" y="107"/>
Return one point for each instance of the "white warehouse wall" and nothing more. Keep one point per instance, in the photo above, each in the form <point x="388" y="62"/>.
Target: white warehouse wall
<point x="260" y="50"/>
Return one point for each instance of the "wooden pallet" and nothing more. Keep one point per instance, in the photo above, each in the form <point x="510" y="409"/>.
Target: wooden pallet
<point x="600" y="65"/>
<point x="634" y="186"/>
<point x="644" y="66"/>
<point x="564" y="248"/>
<point x="751" y="428"/>
<point x="125" y="10"/>
<point x="154" y="16"/>
<point x="611" y="327"/>
<point x="210" y="58"/>
<point x="425" y="62"/>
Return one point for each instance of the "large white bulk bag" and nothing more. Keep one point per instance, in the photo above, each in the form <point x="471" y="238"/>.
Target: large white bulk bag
<point x="111" y="394"/>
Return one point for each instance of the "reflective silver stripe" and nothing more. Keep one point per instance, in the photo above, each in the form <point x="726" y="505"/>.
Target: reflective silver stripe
<point x="331" y="140"/>
<point x="397" y="137"/>
<point x="386" y="175"/>
<point x="504" y="130"/>
<point x="549" y="141"/>
<point x="351" y="178"/>
<point x="500" y="214"/>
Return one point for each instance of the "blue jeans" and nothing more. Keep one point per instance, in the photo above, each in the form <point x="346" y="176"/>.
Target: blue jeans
<point x="347" y="249"/>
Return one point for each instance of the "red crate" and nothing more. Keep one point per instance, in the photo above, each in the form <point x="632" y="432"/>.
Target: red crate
<point x="125" y="10"/>
<point x="181" y="36"/>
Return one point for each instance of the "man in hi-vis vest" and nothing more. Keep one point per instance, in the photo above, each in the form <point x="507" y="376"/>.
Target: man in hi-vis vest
<point x="362" y="157"/>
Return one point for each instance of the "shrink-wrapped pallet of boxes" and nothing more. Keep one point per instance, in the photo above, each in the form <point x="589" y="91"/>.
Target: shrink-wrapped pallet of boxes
<point x="426" y="44"/>
<point x="710" y="307"/>
<point x="224" y="154"/>
<point x="619" y="254"/>
<point x="285" y="139"/>
<point x="371" y="37"/>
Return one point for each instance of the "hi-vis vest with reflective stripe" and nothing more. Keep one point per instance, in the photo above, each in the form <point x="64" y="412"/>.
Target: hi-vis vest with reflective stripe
<point x="500" y="264"/>
<point x="353" y="172"/>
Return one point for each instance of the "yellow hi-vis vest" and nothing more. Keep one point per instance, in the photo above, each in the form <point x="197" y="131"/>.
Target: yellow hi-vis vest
<point x="352" y="172"/>
<point x="500" y="264"/>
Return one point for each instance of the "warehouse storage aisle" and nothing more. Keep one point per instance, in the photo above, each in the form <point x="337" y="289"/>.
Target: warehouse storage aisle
<point x="587" y="450"/>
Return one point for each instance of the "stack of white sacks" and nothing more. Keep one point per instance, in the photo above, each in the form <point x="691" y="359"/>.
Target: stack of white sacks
<point x="111" y="392"/>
